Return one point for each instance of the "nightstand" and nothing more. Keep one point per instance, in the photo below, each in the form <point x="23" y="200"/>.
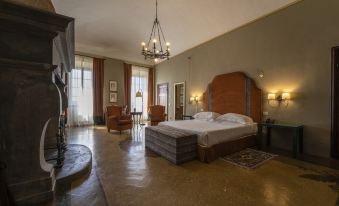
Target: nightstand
<point x="297" y="134"/>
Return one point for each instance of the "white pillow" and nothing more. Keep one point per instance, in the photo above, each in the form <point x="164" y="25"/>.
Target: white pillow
<point x="237" y="118"/>
<point x="207" y="116"/>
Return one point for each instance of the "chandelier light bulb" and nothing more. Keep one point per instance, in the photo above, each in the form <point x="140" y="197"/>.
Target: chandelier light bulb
<point x="154" y="41"/>
<point x="168" y="44"/>
<point x="146" y="49"/>
<point x="155" y="60"/>
<point x="157" y="51"/>
<point x="143" y="44"/>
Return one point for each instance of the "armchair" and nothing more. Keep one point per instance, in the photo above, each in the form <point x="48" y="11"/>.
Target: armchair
<point x="115" y="120"/>
<point x="157" y="114"/>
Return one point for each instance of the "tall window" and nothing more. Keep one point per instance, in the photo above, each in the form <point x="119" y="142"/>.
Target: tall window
<point x="80" y="107"/>
<point x="139" y="83"/>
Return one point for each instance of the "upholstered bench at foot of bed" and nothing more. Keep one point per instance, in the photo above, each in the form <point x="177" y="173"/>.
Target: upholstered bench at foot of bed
<point x="175" y="145"/>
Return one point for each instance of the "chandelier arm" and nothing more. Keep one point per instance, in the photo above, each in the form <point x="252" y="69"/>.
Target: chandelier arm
<point x="150" y="37"/>
<point x="159" y="37"/>
<point x="154" y="36"/>
<point x="162" y="33"/>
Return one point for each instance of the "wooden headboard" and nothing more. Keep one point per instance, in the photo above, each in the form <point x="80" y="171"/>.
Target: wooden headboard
<point x="233" y="92"/>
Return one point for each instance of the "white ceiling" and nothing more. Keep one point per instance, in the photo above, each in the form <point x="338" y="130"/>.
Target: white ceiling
<point x="115" y="28"/>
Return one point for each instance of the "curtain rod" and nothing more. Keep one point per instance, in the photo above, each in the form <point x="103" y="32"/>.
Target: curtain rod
<point x="127" y="62"/>
<point x="88" y="56"/>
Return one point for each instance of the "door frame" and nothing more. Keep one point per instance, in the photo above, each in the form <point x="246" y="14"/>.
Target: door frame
<point x="175" y="96"/>
<point x="335" y="103"/>
<point x="157" y="99"/>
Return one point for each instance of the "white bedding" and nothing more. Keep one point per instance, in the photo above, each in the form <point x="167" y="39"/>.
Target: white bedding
<point x="211" y="132"/>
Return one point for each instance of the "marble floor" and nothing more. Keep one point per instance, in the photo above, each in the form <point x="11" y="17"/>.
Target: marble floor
<point x="124" y="173"/>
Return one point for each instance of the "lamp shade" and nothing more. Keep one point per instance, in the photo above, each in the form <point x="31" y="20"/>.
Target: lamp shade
<point x="271" y="96"/>
<point x="285" y="96"/>
<point x="138" y="94"/>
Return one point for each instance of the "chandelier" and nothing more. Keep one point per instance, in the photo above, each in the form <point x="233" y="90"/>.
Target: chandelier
<point x="155" y="51"/>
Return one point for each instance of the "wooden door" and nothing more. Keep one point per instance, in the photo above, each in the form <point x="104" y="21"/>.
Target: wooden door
<point x="335" y="104"/>
<point x="162" y="95"/>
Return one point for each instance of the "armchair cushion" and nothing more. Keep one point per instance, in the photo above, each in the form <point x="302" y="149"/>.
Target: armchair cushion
<point x="126" y="117"/>
<point x="124" y="122"/>
<point x="113" y="117"/>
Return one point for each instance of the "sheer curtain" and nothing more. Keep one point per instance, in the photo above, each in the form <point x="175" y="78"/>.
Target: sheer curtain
<point x="139" y="81"/>
<point x="80" y="97"/>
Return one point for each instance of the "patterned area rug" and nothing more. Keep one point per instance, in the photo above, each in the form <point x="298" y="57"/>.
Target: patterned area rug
<point x="248" y="158"/>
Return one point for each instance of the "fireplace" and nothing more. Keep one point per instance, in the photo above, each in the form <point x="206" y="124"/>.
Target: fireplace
<point x="37" y="50"/>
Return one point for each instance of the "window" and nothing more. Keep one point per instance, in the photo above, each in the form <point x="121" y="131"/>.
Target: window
<point x="139" y="83"/>
<point x="80" y="95"/>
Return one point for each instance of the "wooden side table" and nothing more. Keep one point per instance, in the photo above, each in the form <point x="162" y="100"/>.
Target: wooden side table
<point x="297" y="137"/>
<point x="136" y="116"/>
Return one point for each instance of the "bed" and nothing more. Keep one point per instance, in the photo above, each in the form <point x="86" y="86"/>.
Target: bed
<point x="210" y="133"/>
<point x="227" y="93"/>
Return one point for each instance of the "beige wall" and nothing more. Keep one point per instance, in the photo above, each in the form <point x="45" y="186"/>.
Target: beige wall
<point x="292" y="47"/>
<point x="114" y="70"/>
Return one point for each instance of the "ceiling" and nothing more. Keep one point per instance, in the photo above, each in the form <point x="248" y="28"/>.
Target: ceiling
<point x="116" y="28"/>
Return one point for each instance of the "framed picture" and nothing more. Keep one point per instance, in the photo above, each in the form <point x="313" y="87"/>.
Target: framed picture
<point x="113" y="97"/>
<point x="113" y="86"/>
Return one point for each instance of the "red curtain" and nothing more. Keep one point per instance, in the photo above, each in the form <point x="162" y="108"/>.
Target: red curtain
<point x="128" y="83"/>
<point x="150" y="87"/>
<point x="98" y="88"/>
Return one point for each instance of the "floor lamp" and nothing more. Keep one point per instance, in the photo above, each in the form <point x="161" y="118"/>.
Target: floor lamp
<point x="140" y="94"/>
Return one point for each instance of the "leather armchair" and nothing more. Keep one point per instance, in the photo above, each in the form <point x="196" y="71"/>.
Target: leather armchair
<point x="115" y="120"/>
<point x="157" y="114"/>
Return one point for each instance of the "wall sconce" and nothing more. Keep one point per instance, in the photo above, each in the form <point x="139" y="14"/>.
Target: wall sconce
<point x="280" y="98"/>
<point x="194" y="99"/>
<point x="261" y="74"/>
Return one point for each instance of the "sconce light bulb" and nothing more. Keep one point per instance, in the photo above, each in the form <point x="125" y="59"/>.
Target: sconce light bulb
<point x="261" y="74"/>
<point x="271" y="96"/>
<point x="285" y="96"/>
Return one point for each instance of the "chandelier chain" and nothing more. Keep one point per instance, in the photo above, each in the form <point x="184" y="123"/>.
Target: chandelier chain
<point x="156" y="10"/>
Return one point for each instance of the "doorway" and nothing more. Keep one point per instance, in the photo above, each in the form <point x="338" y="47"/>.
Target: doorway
<point x="162" y="96"/>
<point x="179" y="100"/>
<point x="335" y="104"/>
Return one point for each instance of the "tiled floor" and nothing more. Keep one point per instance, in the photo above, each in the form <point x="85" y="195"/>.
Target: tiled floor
<point x="131" y="175"/>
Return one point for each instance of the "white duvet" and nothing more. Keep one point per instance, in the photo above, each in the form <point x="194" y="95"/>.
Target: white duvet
<point x="211" y="132"/>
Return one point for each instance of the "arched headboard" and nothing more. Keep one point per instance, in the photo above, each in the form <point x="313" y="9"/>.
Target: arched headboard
<point x="233" y="92"/>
